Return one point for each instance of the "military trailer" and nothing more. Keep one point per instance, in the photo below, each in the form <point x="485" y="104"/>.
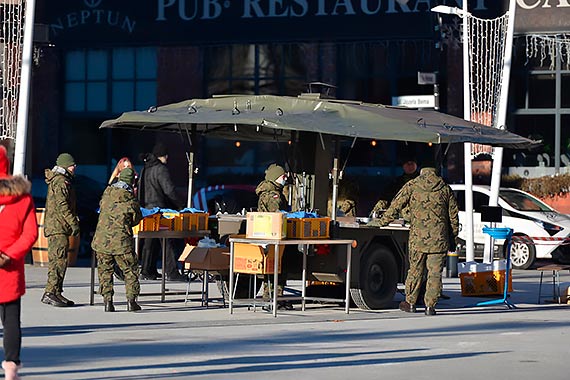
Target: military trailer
<point x="379" y="257"/>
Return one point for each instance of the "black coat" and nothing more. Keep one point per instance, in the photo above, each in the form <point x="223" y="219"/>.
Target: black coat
<point x="155" y="186"/>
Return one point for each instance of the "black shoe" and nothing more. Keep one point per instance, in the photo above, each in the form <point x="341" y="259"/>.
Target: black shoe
<point x="444" y="296"/>
<point x="177" y="277"/>
<point x="145" y="276"/>
<point x="132" y="305"/>
<point x="109" y="307"/>
<point x="68" y="302"/>
<point x="408" y="308"/>
<point x="430" y="310"/>
<point x="285" y="305"/>
<point x="53" y="300"/>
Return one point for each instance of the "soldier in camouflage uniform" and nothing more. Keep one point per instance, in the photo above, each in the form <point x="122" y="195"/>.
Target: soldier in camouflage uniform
<point x="346" y="200"/>
<point x="270" y="190"/>
<point x="60" y="223"/>
<point x="433" y="212"/>
<point x="272" y="199"/>
<point x="113" y="240"/>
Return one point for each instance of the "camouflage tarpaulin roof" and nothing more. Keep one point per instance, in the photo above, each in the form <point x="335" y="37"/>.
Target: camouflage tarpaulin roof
<point x="268" y="117"/>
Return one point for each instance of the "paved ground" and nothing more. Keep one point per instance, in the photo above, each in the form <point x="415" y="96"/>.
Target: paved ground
<point x="177" y="341"/>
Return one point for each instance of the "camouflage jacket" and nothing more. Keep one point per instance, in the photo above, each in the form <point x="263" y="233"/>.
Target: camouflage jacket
<point x="345" y="207"/>
<point x="271" y="198"/>
<point x="433" y="212"/>
<point x="120" y="212"/>
<point x="61" y="210"/>
<point x="391" y="192"/>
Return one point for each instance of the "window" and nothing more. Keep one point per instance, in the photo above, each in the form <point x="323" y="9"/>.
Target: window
<point x="540" y="94"/>
<point x="110" y="81"/>
<point x="255" y="69"/>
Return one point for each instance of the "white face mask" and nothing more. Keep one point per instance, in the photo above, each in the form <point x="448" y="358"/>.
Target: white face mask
<point x="281" y="180"/>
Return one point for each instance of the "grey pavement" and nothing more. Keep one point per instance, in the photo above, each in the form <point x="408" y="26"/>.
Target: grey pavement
<point x="172" y="340"/>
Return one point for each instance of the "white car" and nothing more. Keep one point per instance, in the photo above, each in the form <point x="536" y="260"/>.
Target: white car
<point x="528" y="216"/>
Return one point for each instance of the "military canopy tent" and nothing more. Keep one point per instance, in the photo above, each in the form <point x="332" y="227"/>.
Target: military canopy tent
<point x="270" y="117"/>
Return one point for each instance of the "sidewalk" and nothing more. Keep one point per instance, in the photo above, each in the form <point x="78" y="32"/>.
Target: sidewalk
<point x="175" y="341"/>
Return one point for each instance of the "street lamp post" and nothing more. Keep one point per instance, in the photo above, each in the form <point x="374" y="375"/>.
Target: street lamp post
<point x="499" y="121"/>
<point x="469" y="242"/>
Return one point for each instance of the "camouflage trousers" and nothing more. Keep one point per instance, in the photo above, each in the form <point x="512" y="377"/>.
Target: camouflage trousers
<point x="420" y="263"/>
<point x="128" y="264"/>
<point x="58" y="246"/>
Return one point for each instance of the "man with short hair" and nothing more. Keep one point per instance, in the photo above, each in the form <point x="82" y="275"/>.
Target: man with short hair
<point x="61" y="222"/>
<point x="156" y="189"/>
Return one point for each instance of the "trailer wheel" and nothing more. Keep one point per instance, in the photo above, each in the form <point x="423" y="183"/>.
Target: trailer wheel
<point x="378" y="280"/>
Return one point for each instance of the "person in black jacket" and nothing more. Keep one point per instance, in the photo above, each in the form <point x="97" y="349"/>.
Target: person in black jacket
<point x="157" y="190"/>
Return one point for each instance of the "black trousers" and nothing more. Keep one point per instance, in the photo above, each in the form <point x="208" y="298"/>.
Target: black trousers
<point x="151" y="253"/>
<point x="10" y="315"/>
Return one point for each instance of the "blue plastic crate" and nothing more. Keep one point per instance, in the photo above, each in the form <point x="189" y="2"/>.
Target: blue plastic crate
<point x="498" y="232"/>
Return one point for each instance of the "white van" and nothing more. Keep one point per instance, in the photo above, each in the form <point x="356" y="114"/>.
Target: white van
<point x="528" y="216"/>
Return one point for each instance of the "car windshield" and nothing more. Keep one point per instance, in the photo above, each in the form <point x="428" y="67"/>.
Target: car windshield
<point x="523" y="202"/>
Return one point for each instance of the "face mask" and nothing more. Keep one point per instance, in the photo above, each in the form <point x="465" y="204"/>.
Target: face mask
<point x="281" y="180"/>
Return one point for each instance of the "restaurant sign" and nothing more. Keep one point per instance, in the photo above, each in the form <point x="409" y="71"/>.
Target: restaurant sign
<point x="214" y="21"/>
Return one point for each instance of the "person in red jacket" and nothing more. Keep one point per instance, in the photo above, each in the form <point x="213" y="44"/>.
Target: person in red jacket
<point x="19" y="232"/>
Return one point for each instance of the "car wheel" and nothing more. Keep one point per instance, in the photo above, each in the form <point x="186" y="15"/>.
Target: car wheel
<point x="522" y="255"/>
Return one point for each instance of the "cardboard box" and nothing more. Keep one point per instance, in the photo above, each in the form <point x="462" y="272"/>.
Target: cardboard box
<point x="483" y="279"/>
<point x="308" y="228"/>
<point x="205" y="258"/>
<point x="255" y="259"/>
<point x="266" y="225"/>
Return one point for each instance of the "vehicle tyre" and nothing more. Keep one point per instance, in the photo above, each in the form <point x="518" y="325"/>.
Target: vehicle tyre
<point x="522" y="255"/>
<point x="378" y="280"/>
<point x="242" y="287"/>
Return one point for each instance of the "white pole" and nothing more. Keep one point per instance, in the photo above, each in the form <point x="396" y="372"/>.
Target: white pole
<point x="470" y="239"/>
<point x="23" y="99"/>
<point x="501" y="121"/>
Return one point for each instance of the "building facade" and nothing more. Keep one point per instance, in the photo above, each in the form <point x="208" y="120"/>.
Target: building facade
<point x="106" y="57"/>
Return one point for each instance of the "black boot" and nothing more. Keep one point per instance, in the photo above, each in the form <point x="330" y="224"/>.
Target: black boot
<point x="53" y="300"/>
<point x="132" y="305"/>
<point x="68" y="302"/>
<point x="109" y="307"/>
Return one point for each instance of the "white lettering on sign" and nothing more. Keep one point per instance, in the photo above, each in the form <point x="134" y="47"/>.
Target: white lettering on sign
<point x="191" y="9"/>
<point x="188" y="10"/>
<point x="531" y="4"/>
<point x="93" y="16"/>
<point x="414" y="101"/>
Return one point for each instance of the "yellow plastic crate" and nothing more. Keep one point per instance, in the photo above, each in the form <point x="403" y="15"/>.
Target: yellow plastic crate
<point x="186" y="221"/>
<point x="150" y="223"/>
<point x="308" y="228"/>
<point x="483" y="279"/>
